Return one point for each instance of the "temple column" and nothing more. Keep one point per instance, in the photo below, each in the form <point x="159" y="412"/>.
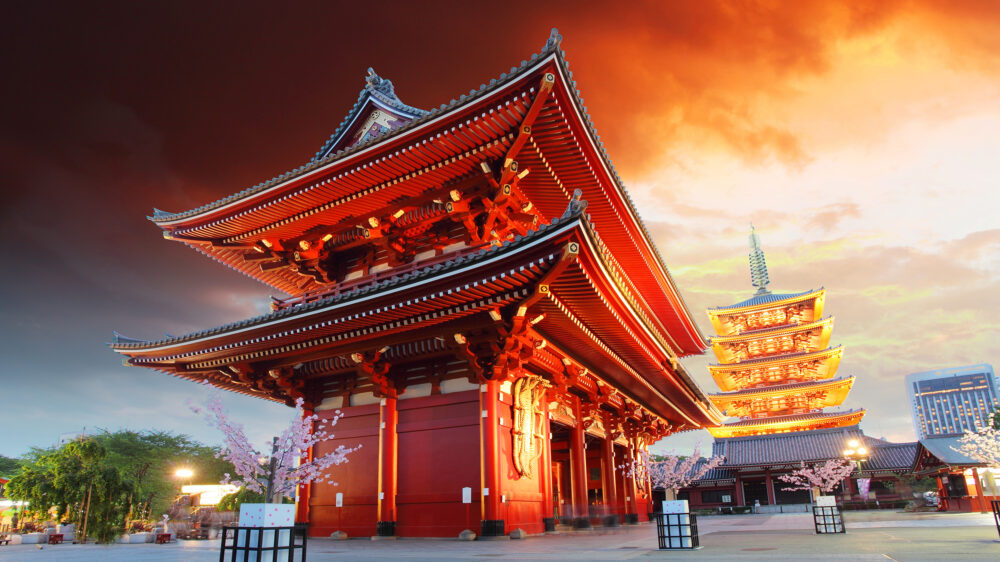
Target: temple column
<point x="631" y="491"/>
<point x="304" y="490"/>
<point x="547" y="490"/>
<point x="493" y="523"/>
<point x="739" y="491"/>
<point x="387" y="467"/>
<point x="979" y="490"/>
<point x="771" y="499"/>
<point x="578" y="466"/>
<point x="610" y="497"/>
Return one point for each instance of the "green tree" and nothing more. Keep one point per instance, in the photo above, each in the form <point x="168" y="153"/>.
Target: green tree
<point x="9" y="466"/>
<point x="75" y="481"/>
<point x="125" y="474"/>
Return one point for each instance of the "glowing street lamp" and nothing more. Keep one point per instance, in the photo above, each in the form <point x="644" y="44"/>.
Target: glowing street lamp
<point x="184" y="474"/>
<point x="855" y="452"/>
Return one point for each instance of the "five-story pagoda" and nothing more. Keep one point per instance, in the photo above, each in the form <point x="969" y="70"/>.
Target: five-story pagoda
<point x="776" y="368"/>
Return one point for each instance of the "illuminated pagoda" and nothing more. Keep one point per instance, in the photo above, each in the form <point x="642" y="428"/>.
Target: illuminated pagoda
<point x="777" y="374"/>
<point x="472" y="287"/>
<point x="776" y="368"/>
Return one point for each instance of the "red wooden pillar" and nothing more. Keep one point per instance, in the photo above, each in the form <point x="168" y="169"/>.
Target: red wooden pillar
<point x="578" y="467"/>
<point x="546" y="469"/>
<point x="979" y="490"/>
<point x="739" y="491"/>
<point x="305" y="490"/>
<point x="631" y="491"/>
<point x="771" y="499"/>
<point x="610" y="496"/>
<point x="493" y="523"/>
<point x="387" y="468"/>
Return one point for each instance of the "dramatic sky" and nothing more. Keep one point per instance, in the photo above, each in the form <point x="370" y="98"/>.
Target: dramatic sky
<point x="862" y="139"/>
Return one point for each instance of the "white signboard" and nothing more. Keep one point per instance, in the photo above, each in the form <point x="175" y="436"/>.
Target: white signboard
<point x="826" y="501"/>
<point x="466" y="495"/>
<point x="340" y="499"/>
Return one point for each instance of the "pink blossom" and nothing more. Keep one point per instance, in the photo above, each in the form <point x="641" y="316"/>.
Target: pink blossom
<point x="291" y="467"/>
<point x="824" y="476"/>
<point x="671" y="473"/>
<point x="981" y="446"/>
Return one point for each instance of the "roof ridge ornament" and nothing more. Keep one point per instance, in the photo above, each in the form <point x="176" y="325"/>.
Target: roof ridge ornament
<point x="379" y="84"/>
<point x="577" y="204"/>
<point x="554" y="41"/>
<point x="758" y="265"/>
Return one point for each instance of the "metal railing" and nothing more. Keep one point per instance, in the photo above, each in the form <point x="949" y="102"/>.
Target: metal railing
<point x="828" y="519"/>
<point x="246" y="544"/>
<point x="677" y="531"/>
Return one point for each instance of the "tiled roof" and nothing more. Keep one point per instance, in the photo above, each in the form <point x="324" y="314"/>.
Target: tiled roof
<point x="791" y="418"/>
<point x="811" y="446"/>
<point x="380" y="89"/>
<point x="572" y="212"/>
<point x="778" y="388"/>
<point x="941" y="447"/>
<point x="779" y="448"/>
<point x="763" y="299"/>
<point x="784" y="357"/>
<point x="884" y="455"/>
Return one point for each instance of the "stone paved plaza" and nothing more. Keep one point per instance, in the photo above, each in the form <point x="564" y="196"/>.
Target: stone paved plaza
<point x="870" y="536"/>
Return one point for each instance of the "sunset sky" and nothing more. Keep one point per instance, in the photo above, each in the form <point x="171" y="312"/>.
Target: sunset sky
<point x="861" y="139"/>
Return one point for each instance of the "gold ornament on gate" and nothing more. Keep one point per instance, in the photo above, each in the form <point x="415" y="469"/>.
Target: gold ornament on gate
<point x="527" y="421"/>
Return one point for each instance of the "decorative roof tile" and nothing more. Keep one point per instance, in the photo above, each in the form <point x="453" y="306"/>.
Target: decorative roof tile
<point x="764" y="298"/>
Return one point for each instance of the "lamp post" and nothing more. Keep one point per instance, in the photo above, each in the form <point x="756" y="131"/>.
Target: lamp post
<point x="857" y="453"/>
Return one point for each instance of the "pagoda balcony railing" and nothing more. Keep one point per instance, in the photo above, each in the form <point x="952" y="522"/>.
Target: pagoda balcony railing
<point x="311" y="296"/>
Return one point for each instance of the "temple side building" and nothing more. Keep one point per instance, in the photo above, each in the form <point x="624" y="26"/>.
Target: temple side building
<point x="472" y="287"/>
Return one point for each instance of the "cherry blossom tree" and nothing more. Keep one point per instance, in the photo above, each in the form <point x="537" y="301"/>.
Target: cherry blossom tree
<point x="671" y="472"/>
<point x="982" y="446"/>
<point x="286" y="466"/>
<point x="824" y="476"/>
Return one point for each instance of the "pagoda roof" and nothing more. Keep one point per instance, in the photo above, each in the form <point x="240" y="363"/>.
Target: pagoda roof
<point x="788" y="388"/>
<point x="812" y="446"/>
<point x="778" y="359"/>
<point x="762" y="334"/>
<point x="768" y="299"/>
<point x="789" y="423"/>
<point x="581" y="309"/>
<point x="447" y="145"/>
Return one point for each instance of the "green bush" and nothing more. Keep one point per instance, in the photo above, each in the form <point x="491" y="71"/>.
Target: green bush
<point x="232" y="502"/>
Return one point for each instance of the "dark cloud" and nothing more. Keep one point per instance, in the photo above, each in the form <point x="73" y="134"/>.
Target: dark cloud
<point x="112" y="109"/>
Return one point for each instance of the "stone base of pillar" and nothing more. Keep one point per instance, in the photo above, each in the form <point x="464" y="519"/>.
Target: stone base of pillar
<point x="581" y="523"/>
<point x="550" y="524"/>
<point x="631" y="518"/>
<point x="611" y="521"/>
<point x="492" y="528"/>
<point x="385" y="529"/>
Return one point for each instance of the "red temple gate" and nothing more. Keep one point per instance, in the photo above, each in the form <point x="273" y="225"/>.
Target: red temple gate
<point x="474" y="290"/>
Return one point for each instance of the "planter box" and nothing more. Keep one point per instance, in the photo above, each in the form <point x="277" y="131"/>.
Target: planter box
<point x="33" y="538"/>
<point x="259" y="521"/>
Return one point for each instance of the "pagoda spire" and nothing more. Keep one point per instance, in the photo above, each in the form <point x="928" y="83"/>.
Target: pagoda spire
<point x="758" y="265"/>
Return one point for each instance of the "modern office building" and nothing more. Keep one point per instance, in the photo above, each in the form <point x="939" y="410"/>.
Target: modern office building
<point x="952" y="401"/>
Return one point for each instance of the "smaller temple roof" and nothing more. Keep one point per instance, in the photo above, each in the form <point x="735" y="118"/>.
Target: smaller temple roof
<point x="943" y="449"/>
<point x="811" y="446"/>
